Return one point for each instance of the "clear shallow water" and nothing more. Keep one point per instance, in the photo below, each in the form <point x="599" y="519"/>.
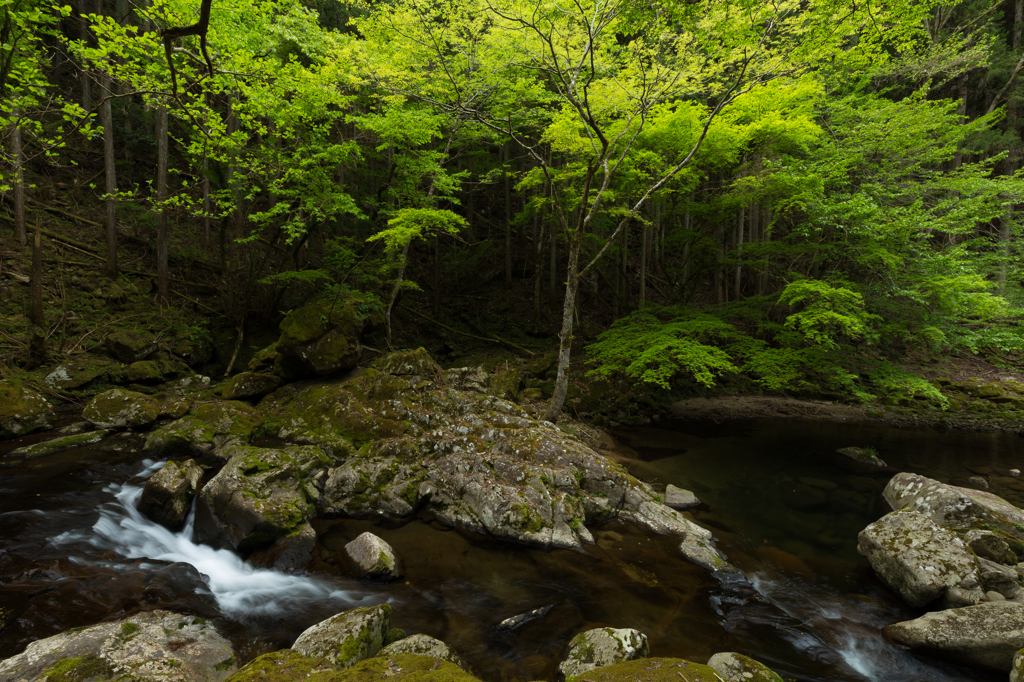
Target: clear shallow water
<point x="75" y="552"/>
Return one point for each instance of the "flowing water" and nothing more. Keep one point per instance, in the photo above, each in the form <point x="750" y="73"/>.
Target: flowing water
<point x="76" y="551"/>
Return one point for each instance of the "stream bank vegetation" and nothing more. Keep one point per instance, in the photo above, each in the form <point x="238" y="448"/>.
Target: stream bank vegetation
<point x="814" y="200"/>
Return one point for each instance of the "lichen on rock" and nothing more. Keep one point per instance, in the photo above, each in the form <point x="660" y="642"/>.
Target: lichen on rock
<point x="120" y="409"/>
<point x="348" y="637"/>
<point x="22" y="411"/>
<point x="601" y="647"/>
<point x="423" y="645"/>
<point x="734" y="667"/>
<point x="167" y="496"/>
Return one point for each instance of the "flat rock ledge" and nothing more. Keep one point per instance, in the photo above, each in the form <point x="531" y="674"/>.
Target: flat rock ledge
<point x="159" y="646"/>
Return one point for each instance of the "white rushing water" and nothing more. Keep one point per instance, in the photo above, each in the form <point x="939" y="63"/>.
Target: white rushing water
<point x="241" y="590"/>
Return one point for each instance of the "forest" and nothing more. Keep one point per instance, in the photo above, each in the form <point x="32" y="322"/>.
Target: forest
<point x="789" y="197"/>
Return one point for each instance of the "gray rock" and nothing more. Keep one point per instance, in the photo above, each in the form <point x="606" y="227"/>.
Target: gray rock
<point x="1015" y="472"/>
<point x="22" y="411"/>
<point x="516" y="622"/>
<point x="734" y="667"/>
<point x="998" y="578"/>
<point x="424" y="645"/>
<point x="1017" y="671"/>
<point x="603" y="646"/>
<point x="120" y="409"/>
<point x="979" y="482"/>
<point x="250" y="385"/>
<point x="920" y="560"/>
<point x="260" y="497"/>
<point x="54" y="445"/>
<point x="348" y="637"/>
<point x="159" y="646"/>
<point x="167" y="495"/>
<point x="680" y="499"/>
<point x="862" y="455"/>
<point x="210" y="429"/>
<point x="320" y="338"/>
<point x="988" y="545"/>
<point x="956" y="508"/>
<point x="373" y="558"/>
<point x="994" y="596"/>
<point x="986" y="635"/>
<point x="131" y="346"/>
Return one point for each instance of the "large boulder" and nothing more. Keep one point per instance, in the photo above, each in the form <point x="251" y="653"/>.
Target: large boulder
<point x="348" y="637"/>
<point x="167" y="495"/>
<point x="959" y="509"/>
<point x="373" y="558"/>
<point x="120" y="409"/>
<point x="250" y="385"/>
<point x="734" y="667"/>
<point x="651" y="670"/>
<point x="131" y="346"/>
<point x="158" y="646"/>
<point x="262" y="496"/>
<point x="208" y="429"/>
<point x="290" y="666"/>
<point x="987" y="635"/>
<point x="1017" y="669"/>
<point x="423" y="645"/>
<point x="22" y="411"/>
<point x="320" y="338"/>
<point x="603" y="646"/>
<point x="920" y="560"/>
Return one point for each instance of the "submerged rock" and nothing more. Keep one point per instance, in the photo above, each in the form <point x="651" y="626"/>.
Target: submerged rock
<point x="516" y="622"/>
<point x="920" y="560"/>
<point x="373" y="558"/>
<point x="680" y="499"/>
<point x="862" y="455"/>
<point x="120" y="409"/>
<point x="733" y="667"/>
<point x="22" y="411"/>
<point x="603" y="646"/>
<point x="53" y="446"/>
<point x="986" y="635"/>
<point x="348" y="637"/>
<point x="159" y="646"/>
<point x="423" y="645"/>
<point x="167" y="495"/>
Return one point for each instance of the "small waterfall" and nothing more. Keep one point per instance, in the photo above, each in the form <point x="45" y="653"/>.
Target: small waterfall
<point x="242" y="591"/>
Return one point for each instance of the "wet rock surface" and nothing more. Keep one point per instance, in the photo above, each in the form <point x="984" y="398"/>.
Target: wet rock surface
<point x="207" y="429"/>
<point x="167" y="495"/>
<point x="734" y="667"/>
<point x="53" y="446"/>
<point x="22" y="411"/>
<point x="601" y="647"/>
<point x="348" y="637"/>
<point x="159" y="645"/>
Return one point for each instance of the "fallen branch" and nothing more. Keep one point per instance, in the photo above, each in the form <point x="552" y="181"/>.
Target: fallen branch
<point x="64" y="213"/>
<point x="492" y="339"/>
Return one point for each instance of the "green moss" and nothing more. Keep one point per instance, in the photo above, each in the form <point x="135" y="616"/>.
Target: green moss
<point x="225" y="665"/>
<point x="401" y="668"/>
<point x="393" y="635"/>
<point x="128" y="629"/>
<point x="78" y="669"/>
<point x="651" y="670"/>
<point x="280" y="666"/>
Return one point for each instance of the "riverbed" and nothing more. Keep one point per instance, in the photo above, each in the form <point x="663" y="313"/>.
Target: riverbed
<point x="784" y="508"/>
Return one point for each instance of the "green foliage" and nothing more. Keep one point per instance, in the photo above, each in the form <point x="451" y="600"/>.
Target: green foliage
<point x="826" y="313"/>
<point x="413" y="223"/>
<point x="898" y="384"/>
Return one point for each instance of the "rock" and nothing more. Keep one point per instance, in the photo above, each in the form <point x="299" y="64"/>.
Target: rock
<point x="988" y="545"/>
<point x="70" y="376"/>
<point x="986" y="635"/>
<point x="960" y="509"/>
<point x="680" y="499"/>
<point x="320" y="338"/>
<point x="53" y="446"/>
<point x="423" y="645"/>
<point x="996" y="577"/>
<point x="410" y="363"/>
<point x="862" y="455"/>
<point x="920" y="560"/>
<point x="979" y="482"/>
<point x="175" y="407"/>
<point x="505" y="383"/>
<point x="188" y="384"/>
<point x="516" y="622"/>
<point x="131" y="346"/>
<point x="290" y="666"/>
<point x="250" y="385"/>
<point x="167" y="495"/>
<point x="119" y="409"/>
<point x="994" y="596"/>
<point x="733" y="667"/>
<point x="373" y="558"/>
<point x="260" y="497"/>
<point x="600" y="647"/>
<point x="1017" y="671"/>
<point x="394" y="634"/>
<point x="348" y="637"/>
<point x="651" y="670"/>
<point x="209" y="429"/>
<point x="22" y="411"/>
<point x="1015" y="472"/>
<point x="290" y="553"/>
<point x="159" y="646"/>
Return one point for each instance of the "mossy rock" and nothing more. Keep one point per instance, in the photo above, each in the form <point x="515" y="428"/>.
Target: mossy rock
<point x="22" y="411"/>
<point x="210" y="427"/>
<point x="506" y="383"/>
<point x="250" y="385"/>
<point x="320" y="338"/>
<point x="347" y="638"/>
<point x="131" y="346"/>
<point x="650" y="670"/>
<point x="410" y="363"/>
<point x="81" y="373"/>
<point x="734" y="667"/>
<point x="50" y="447"/>
<point x="290" y="666"/>
<point x="119" y="409"/>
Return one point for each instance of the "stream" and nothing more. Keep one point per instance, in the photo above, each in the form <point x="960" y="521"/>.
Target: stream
<point x="76" y="551"/>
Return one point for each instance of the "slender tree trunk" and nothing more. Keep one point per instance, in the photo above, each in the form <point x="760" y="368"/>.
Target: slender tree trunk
<point x="436" y="307"/>
<point x="37" y="275"/>
<point x="720" y="263"/>
<point x="565" y="347"/>
<point x="755" y="239"/>
<point x="645" y="240"/>
<point x="85" y="7"/>
<point x="106" y="117"/>
<point x="19" y="182"/>
<point x="739" y="255"/>
<point x="553" y="272"/>
<point x="538" y="264"/>
<point x="508" y="219"/>
<point x="162" y="289"/>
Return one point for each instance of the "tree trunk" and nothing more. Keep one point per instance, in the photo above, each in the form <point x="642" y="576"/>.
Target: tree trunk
<point x="106" y="117"/>
<point x="755" y="239"/>
<point x="83" y="35"/>
<point x="553" y="272"/>
<point x="645" y="241"/>
<point x="508" y="220"/>
<point x="719" y="263"/>
<point x="37" y="276"/>
<point x="162" y="290"/>
<point x="538" y="264"/>
<point x="739" y="255"/>
<point x="20" y="233"/>
<point x="565" y="337"/>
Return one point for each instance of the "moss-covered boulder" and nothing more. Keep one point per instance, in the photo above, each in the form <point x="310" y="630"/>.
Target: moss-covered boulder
<point x="120" y="409"/>
<point x="22" y="411"/>
<point x="603" y="646"/>
<point x="734" y="667"/>
<point x="208" y="429"/>
<point x="52" y="446"/>
<point x="149" y="647"/>
<point x="423" y="645"/>
<point x="167" y="495"/>
<point x="505" y="383"/>
<point x="250" y="385"/>
<point x="348" y="637"/>
<point x="320" y="338"/>
<point x="80" y="373"/>
<point x="290" y="666"/>
<point x="651" y="670"/>
<point x="260" y="497"/>
<point x="410" y="363"/>
<point x="373" y="558"/>
<point x="156" y="371"/>
<point x="130" y="346"/>
<point x="1017" y="669"/>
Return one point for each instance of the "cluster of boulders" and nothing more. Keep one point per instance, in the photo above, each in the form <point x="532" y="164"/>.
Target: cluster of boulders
<point x="358" y="644"/>
<point x="956" y="549"/>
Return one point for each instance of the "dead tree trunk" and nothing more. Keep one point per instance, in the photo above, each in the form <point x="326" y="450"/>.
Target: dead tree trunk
<point x="106" y="118"/>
